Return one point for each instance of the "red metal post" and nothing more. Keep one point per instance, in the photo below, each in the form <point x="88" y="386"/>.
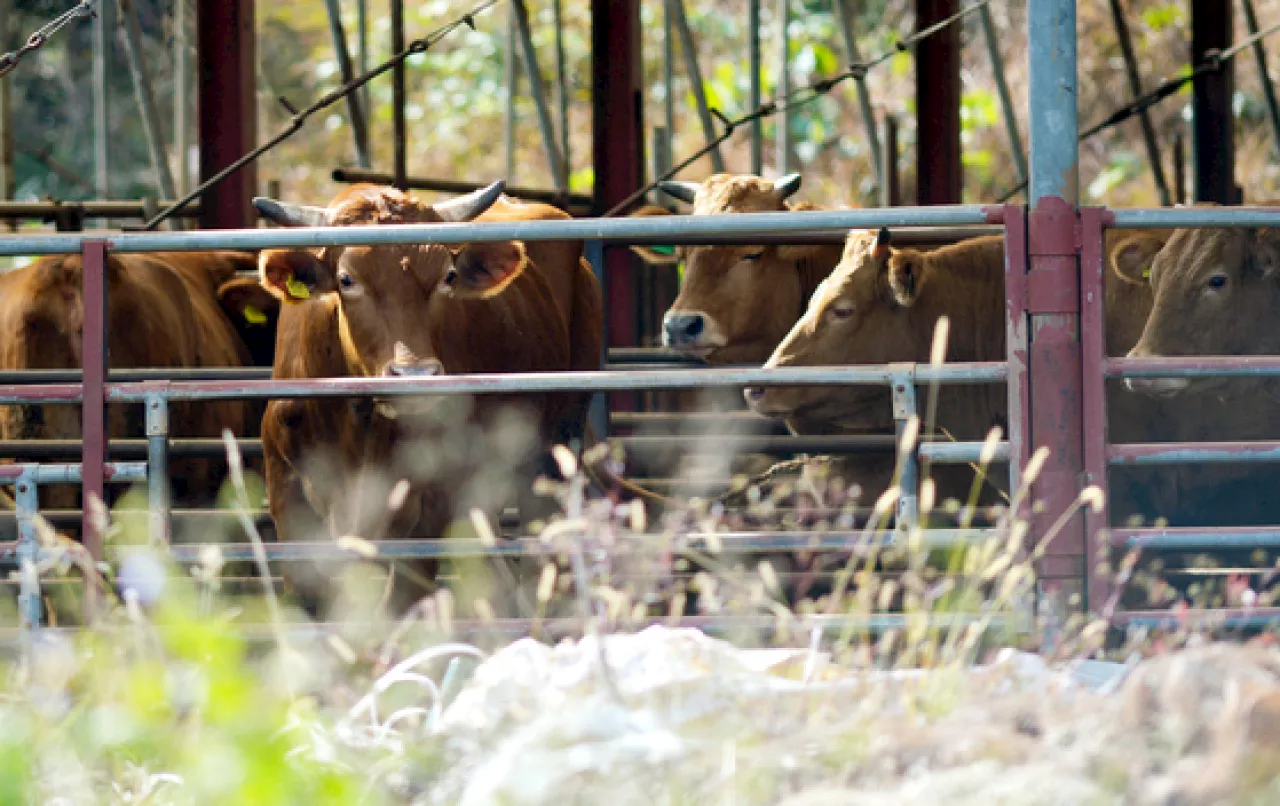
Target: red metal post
<point x="1093" y="346"/>
<point x="228" y="111"/>
<point x="1015" y="279"/>
<point x="618" y="150"/>
<point x="400" y="135"/>
<point x="939" y="173"/>
<point x="1057" y="400"/>
<point x="1213" y="136"/>
<point x="94" y="408"/>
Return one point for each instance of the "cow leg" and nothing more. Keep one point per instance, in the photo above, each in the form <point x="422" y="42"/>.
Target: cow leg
<point x="295" y="519"/>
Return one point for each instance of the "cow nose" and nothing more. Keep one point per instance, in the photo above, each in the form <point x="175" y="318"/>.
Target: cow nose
<point x="683" y="328"/>
<point x="404" y="363"/>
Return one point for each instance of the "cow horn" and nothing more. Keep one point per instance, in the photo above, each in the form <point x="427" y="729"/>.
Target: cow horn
<point x="291" y="215"/>
<point x="470" y="205"/>
<point x="786" y="186"/>
<point x="684" y="191"/>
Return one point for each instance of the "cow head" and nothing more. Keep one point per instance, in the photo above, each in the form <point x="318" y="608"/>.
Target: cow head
<point x="387" y="296"/>
<point x="735" y="302"/>
<point x="1215" y="293"/>
<point x="881" y="305"/>
<point x="861" y="314"/>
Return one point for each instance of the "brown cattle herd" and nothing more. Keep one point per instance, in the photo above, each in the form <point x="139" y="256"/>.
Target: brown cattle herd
<point x="415" y="467"/>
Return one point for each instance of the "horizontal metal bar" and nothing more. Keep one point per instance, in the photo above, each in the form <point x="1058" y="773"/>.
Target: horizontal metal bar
<point x="509" y="520"/>
<point x="1236" y="618"/>
<point x="728" y="543"/>
<point x="961" y="452"/>
<point x="44" y="449"/>
<point x="520" y="383"/>
<point x="1195" y="217"/>
<point x="70" y="473"/>
<point x="619" y="358"/>
<point x="358" y="175"/>
<point x="61" y="376"/>
<point x="40" y="210"/>
<point x="40" y="450"/>
<point x="909" y="236"/>
<point x="1172" y="453"/>
<point x="583" y="228"/>
<point x="686" y="419"/>
<point x="1192" y="538"/>
<point x="801" y="626"/>
<point x="533" y="382"/>
<point x="1215" y="366"/>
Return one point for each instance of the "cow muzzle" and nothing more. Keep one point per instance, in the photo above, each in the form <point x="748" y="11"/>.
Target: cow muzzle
<point x="1157" y="387"/>
<point x="690" y="331"/>
<point x="405" y="363"/>
<point x="1154" y="387"/>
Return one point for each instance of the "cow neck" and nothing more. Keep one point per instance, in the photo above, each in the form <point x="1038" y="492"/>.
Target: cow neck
<point x="811" y="272"/>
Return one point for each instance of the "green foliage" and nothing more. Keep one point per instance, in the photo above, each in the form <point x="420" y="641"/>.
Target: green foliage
<point x="1164" y="16"/>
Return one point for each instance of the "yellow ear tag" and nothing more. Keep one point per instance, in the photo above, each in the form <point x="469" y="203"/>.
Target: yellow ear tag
<point x="254" y="316"/>
<point x="297" y="289"/>
<point x="1146" y="273"/>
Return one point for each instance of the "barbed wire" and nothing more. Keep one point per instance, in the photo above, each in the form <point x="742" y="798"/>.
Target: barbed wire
<point x="36" y="41"/>
<point x="300" y="116"/>
<point x="1214" y="61"/>
<point x="797" y="97"/>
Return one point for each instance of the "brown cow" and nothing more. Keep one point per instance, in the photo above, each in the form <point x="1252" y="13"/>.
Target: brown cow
<point x="734" y="305"/>
<point x="881" y="306"/>
<point x="737" y="302"/>
<point x="420" y="309"/>
<point x="162" y="312"/>
<point x="1216" y="292"/>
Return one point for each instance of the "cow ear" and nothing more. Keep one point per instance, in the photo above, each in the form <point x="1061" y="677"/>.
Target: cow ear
<point x="1267" y="252"/>
<point x="484" y="270"/>
<point x="906" y="270"/>
<point x="246" y="301"/>
<point x="654" y="254"/>
<point x="1131" y="258"/>
<point x="294" y="275"/>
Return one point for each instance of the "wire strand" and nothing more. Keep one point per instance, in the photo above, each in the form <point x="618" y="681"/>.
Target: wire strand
<point x="300" y="116"/>
<point x="797" y="97"/>
<point x="36" y="41"/>
<point x="1163" y="90"/>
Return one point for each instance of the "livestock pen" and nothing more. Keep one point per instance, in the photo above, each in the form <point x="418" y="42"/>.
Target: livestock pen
<point x="1055" y="370"/>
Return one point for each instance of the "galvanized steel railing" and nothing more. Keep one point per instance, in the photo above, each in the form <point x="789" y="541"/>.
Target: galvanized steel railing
<point x="94" y="387"/>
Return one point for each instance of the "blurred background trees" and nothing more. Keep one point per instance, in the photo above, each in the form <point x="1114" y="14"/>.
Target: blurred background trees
<point x="457" y="97"/>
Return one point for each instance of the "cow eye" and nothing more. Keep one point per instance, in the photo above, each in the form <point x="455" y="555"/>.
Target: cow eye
<point x="842" y="311"/>
<point x="1218" y="281"/>
<point x="346" y="281"/>
<point x="754" y="255"/>
<point x="450" y="277"/>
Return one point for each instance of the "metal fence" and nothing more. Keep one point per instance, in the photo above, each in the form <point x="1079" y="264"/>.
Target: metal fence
<point x="1056" y="368"/>
<point x="95" y="389"/>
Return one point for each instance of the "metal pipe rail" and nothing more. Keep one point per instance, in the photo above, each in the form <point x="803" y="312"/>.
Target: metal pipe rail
<point x="499" y="383"/>
<point x="1192" y="538"/>
<point x="800" y="626"/>
<point x="1216" y="366"/>
<point x="780" y="444"/>
<point x="484" y="232"/>
<point x="619" y="357"/>
<point x="1192" y="217"/>
<point x="902" y="236"/>
<point x="726" y="542"/>
<point x="42" y="210"/>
